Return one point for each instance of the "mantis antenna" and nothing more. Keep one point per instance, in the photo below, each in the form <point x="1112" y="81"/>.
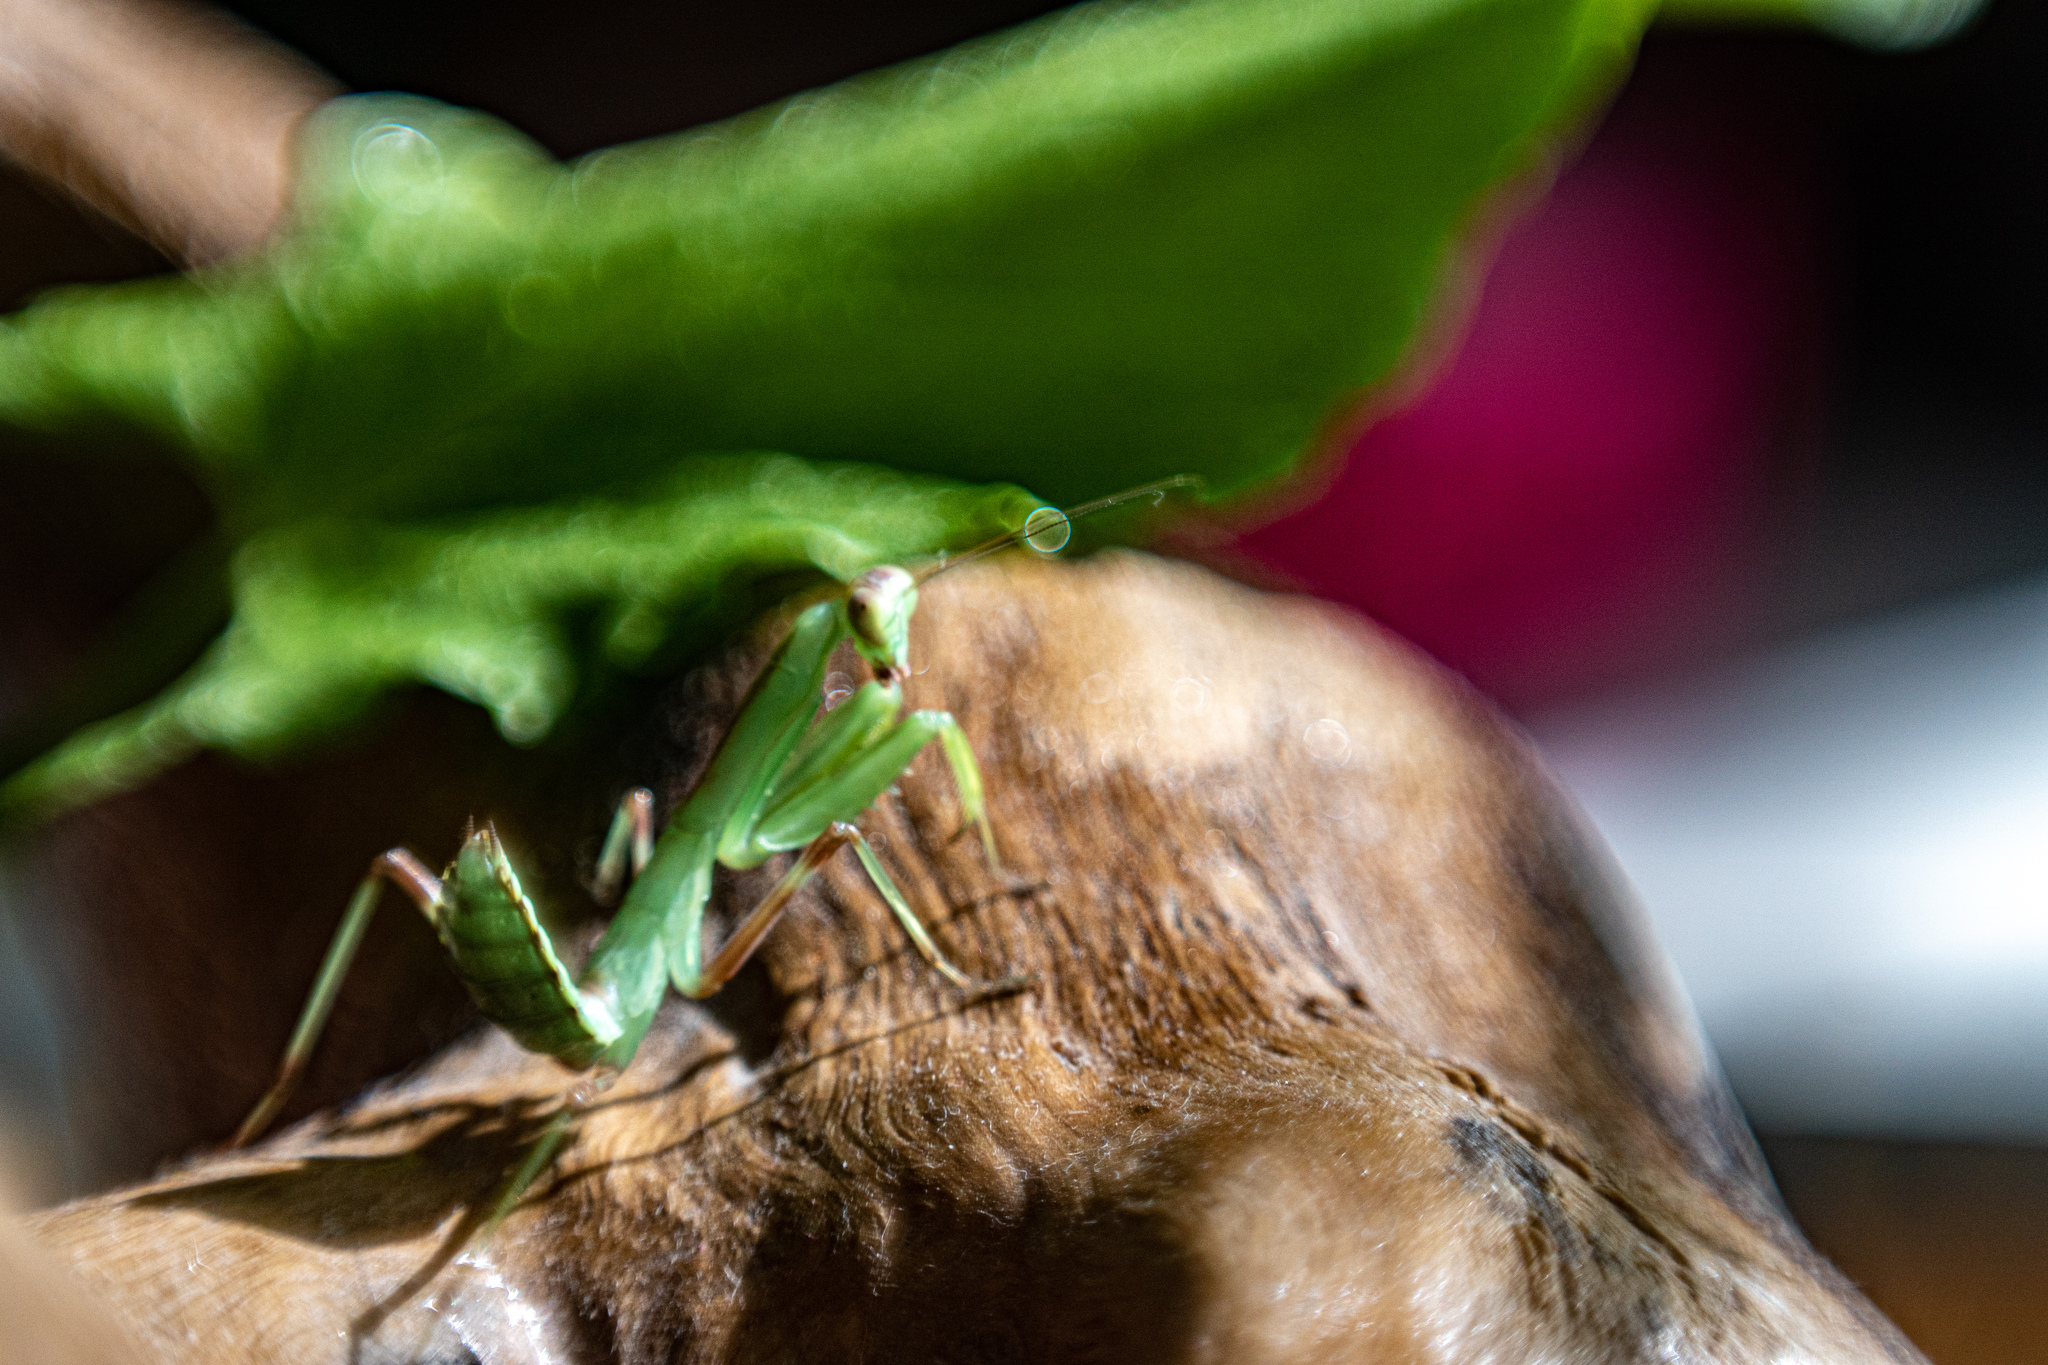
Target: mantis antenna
<point x="1048" y="529"/>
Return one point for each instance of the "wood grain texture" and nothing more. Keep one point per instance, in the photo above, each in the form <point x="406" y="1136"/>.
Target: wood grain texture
<point x="1344" y="1045"/>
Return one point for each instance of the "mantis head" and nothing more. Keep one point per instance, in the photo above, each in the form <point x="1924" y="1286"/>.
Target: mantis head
<point x="880" y="602"/>
<point x="878" y="611"/>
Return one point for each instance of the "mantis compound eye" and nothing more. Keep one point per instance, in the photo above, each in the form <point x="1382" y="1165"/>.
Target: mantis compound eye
<point x="860" y="614"/>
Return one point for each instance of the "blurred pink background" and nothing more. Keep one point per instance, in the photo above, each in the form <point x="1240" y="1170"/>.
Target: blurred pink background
<point x="1578" y="495"/>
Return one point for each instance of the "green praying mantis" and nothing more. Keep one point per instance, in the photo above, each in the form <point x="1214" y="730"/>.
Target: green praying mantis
<point x="790" y="775"/>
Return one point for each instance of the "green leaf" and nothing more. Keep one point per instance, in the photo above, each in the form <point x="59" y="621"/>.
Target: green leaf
<point x="511" y="609"/>
<point x="1125" y="242"/>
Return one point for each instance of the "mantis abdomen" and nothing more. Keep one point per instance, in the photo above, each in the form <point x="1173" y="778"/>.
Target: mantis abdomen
<point x="503" y="956"/>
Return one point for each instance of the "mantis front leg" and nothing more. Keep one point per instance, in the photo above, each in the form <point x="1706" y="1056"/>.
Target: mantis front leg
<point x="850" y="764"/>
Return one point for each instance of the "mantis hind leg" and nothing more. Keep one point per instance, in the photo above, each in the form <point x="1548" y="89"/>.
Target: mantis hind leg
<point x="411" y="876"/>
<point x="538" y="1158"/>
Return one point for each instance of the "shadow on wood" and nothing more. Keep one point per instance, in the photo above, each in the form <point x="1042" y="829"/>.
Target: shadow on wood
<point x="1343" y="1045"/>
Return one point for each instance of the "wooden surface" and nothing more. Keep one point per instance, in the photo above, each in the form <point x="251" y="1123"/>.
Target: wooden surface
<point x="168" y="117"/>
<point x="1342" y="1047"/>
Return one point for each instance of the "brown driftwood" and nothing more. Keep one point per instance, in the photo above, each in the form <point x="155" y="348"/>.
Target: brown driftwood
<point x="169" y="117"/>
<point x="49" y="1321"/>
<point x="1344" y="1045"/>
